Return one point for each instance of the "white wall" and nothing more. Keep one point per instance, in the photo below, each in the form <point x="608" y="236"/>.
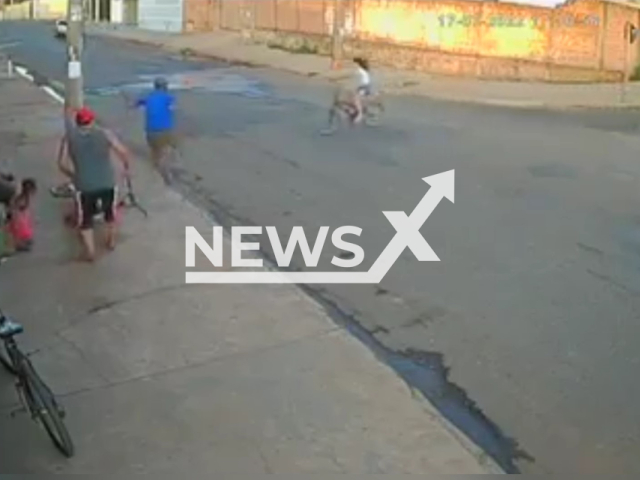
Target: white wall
<point x="117" y="11"/>
<point x="162" y="15"/>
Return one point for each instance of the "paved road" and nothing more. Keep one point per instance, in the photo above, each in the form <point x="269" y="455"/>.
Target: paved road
<point x="534" y="308"/>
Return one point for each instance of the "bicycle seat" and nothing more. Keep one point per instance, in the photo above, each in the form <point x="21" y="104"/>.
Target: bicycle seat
<point x="9" y="328"/>
<point x="63" y="191"/>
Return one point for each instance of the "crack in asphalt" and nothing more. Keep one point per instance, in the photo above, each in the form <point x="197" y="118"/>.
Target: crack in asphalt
<point x="188" y="366"/>
<point x="206" y="361"/>
<point x="110" y="304"/>
<point x="84" y="358"/>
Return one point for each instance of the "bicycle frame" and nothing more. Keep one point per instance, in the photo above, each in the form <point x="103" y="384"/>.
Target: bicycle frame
<point x="33" y="393"/>
<point x="346" y="110"/>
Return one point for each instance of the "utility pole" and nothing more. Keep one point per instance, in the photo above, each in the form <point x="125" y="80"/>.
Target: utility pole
<point x="631" y="34"/>
<point x="75" y="24"/>
<point x="337" y="40"/>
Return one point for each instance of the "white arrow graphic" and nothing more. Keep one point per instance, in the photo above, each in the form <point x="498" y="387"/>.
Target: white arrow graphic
<point x="408" y="227"/>
<point x="407" y="235"/>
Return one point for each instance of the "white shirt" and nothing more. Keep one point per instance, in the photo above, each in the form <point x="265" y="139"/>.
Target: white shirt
<point x="364" y="79"/>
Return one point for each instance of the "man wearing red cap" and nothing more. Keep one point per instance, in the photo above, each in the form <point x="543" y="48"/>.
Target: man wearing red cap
<point x="89" y="148"/>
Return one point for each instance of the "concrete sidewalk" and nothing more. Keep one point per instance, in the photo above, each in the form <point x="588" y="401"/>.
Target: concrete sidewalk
<point x="234" y="48"/>
<point x="158" y="376"/>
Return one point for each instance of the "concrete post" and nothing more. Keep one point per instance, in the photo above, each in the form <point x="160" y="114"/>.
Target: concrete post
<point x="625" y="75"/>
<point x="75" y="23"/>
<point x="337" y="50"/>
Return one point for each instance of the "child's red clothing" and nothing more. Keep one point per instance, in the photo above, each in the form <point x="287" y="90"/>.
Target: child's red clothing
<point x="21" y="225"/>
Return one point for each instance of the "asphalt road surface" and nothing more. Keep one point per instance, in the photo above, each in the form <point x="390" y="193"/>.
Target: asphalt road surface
<point x="526" y="333"/>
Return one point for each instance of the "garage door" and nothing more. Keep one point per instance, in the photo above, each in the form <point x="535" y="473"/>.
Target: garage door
<point x="162" y="15"/>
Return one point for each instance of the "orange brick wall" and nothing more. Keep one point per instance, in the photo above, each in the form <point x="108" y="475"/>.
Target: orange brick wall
<point x="580" y="40"/>
<point x="614" y="48"/>
<point x="575" y="35"/>
<point x="266" y="14"/>
<point x="568" y="35"/>
<point x="231" y="14"/>
<point x="202" y="16"/>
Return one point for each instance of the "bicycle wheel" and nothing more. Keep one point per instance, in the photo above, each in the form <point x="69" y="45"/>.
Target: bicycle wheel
<point x="373" y="112"/>
<point x="43" y="404"/>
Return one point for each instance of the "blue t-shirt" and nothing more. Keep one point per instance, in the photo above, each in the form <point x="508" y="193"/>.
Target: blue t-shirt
<point x="158" y="111"/>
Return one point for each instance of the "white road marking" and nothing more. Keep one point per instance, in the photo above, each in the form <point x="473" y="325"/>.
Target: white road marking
<point x="52" y="93"/>
<point x="23" y="73"/>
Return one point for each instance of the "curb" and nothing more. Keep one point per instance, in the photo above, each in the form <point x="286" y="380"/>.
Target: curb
<point x="24" y="73"/>
<point x="530" y="105"/>
<point x="200" y="54"/>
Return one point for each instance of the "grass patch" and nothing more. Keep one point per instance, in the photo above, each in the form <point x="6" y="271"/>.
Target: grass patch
<point x="187" y="52"/>
<point x="303" y="48"/>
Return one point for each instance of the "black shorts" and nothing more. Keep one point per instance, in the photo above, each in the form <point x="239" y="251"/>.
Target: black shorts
<point x="160" y="141"/>
<point x="90" y="204"/>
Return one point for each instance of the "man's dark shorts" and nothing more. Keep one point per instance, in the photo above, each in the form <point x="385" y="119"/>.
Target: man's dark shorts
<point x="90" y="204"/>
<point x="159" y="141"/>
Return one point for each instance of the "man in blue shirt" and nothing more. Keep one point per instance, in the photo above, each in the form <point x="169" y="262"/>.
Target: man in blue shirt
<point x="159" y="119"/>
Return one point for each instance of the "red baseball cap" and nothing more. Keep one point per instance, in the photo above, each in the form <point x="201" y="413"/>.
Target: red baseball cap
<point x="85" y="116"/>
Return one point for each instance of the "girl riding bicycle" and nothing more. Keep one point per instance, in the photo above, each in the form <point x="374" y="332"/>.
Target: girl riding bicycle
<point x="363" y="88"/>
<point x="349" y="98"/>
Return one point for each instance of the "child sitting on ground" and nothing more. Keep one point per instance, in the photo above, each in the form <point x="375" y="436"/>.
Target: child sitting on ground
<point x="19" y="221"/>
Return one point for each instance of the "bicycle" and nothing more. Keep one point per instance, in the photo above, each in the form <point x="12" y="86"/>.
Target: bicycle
<point x="35" y="396"/>
<point x="129" y="200"/>
<point x="343" y="109"/>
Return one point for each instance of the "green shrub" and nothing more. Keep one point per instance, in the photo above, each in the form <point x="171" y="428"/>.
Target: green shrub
<point x="303" y="48"/>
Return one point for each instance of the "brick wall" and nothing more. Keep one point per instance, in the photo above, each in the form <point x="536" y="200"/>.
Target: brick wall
<point x="614" y="49"/>
<point x="579" y="41"/>
<point x="202" y="16"/>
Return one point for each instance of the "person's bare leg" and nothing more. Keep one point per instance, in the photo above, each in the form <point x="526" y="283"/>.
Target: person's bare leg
<point x="156" y="156"/>
<point x="357" y="101"/>
<point x="110" y="235"/>
<point x="331" y="124"/>
<point x="88" y="244"/>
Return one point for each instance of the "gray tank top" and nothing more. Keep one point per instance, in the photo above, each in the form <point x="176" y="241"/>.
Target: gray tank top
<point x="90" y="153"/>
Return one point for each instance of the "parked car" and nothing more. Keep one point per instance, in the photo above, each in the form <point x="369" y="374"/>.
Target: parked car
<point x="61" y="28"/>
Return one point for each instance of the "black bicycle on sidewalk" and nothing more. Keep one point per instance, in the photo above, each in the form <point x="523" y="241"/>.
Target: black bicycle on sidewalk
<point x="35" y="396"/>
